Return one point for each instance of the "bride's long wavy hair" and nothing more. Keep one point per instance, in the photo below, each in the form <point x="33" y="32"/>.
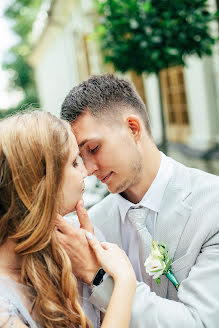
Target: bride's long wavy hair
<point x="34" y="148"/>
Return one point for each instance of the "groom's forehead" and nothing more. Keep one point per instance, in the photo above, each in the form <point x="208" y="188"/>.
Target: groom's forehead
<point x="86" y="131"/>
<point x="88" y="123"/>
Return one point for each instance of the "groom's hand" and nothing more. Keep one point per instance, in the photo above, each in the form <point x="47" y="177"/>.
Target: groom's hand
<point x="74" y="241"/>
<point x="83" y="217"/>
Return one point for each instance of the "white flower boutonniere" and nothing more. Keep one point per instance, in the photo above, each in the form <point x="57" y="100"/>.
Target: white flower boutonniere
<point x="158" y="263"/>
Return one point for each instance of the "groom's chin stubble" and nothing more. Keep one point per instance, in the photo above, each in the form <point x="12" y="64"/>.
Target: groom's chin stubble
<point x="119" y="188"/>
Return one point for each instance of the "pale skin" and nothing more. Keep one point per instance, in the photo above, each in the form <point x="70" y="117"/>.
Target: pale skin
<point x="10" y="264"/>
<point x="113" y="260"/>
<point x="107" y="255"/>
<point x="119" y="309"/>
<point x="108" y="149"/>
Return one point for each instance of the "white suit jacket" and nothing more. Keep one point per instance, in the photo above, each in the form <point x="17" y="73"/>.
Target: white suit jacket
<point x="188" y="223"/>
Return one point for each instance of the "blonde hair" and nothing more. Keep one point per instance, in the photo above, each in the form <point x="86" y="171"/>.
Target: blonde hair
<point x="34" y="148"/>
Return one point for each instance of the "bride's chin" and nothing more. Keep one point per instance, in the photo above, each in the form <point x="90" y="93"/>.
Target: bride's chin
<point x="64" y="210"/>
<point x="68" y="211"/>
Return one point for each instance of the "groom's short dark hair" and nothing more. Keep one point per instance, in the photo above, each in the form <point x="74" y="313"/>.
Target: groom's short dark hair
<point x="103" y="94"/>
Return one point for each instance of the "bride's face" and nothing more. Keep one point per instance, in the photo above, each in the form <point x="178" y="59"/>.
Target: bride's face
<point x="73" y="180"/>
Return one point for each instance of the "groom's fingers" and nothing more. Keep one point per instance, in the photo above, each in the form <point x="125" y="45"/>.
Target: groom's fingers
<point x="60" y="236"/>
<point x="63" y="226"/>
<point x="83" y="217"/>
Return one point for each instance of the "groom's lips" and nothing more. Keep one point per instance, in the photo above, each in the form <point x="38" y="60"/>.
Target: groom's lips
<point x="106" y="177"/>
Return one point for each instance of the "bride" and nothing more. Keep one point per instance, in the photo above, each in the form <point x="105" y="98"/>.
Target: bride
<point x="41" y="179"/>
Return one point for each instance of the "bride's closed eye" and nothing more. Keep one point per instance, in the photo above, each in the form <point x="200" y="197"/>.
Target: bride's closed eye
<point x="77" y="161"/>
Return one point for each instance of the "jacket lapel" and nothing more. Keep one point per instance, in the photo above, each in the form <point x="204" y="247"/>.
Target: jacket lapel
<point x="172" y="217"/>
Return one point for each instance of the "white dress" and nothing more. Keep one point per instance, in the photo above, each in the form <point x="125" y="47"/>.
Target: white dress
<point x="15" y="303"/>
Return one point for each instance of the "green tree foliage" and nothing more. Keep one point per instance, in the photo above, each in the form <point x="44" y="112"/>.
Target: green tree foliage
<point x="147" y="36"/>
<point x="150" y="35"/>
<point x="22" y="14"/>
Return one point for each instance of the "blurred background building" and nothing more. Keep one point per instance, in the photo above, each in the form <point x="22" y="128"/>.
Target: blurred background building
<point x="64" y="52"/>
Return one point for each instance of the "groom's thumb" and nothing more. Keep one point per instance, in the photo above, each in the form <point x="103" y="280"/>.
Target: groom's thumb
<point x="83" y="217"/>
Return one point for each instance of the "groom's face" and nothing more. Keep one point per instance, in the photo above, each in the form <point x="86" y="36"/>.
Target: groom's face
<point x="108" y="151"/>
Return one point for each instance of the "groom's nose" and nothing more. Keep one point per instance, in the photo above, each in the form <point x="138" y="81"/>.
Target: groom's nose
<point x="91" y="167"/>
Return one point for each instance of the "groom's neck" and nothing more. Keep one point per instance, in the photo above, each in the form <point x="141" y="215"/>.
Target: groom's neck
<point x="151" y="165"/>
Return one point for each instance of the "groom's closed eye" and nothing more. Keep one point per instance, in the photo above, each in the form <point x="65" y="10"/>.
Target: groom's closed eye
<point x="94" y="149"/>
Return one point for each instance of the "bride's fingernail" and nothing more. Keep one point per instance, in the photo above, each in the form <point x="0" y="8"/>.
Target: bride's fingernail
<point x="89" y="235"/>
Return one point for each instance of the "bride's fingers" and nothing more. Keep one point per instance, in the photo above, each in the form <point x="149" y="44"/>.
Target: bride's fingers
<point x="83" y="217"/>
<point x="95" y="245"/>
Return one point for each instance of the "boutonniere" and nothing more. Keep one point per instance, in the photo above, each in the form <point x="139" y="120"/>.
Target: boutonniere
<point x="158" y="263"/>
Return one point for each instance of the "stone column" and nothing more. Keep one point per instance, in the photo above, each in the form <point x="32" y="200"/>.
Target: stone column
<point x="202" y="104"/>
<point x="153" y="106"/>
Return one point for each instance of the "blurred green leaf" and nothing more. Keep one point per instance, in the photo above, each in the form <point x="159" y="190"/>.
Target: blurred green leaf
<point x="22" y="14"/>
<point x="147" y="6"/>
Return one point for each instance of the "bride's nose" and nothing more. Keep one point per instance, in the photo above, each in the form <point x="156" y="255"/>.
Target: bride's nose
<point x="84" y="170"/>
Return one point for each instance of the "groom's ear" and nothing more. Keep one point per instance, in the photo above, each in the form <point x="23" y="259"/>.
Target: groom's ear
<point x="134" y="125"/>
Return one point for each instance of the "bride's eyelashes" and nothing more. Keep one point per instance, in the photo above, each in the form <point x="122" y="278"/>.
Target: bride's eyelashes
<point x="75" y="163"/>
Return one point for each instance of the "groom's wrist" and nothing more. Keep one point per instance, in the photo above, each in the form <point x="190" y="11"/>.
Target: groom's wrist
<point x="98" y="277"/>
<point x="87" y="275"/>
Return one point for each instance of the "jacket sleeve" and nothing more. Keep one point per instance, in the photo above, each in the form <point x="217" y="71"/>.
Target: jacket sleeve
<point x="198" y="295"/>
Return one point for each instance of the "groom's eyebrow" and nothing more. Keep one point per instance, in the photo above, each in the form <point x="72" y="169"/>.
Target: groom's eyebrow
<point x="85" y="141"/>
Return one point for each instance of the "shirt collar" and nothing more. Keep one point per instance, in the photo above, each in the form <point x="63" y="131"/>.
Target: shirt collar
<point x="153" y="197"/>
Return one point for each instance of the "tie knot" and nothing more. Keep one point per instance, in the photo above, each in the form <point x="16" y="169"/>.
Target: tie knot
<point x="137" y="216"/>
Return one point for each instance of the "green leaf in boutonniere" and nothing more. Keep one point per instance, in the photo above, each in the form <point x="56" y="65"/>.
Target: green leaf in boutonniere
<point x="157" y="281"/>
<point x="158" y="263"/>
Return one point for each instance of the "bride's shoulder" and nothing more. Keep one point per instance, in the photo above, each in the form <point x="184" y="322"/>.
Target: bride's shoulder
<point x="13" y="312"/>
<point x="9" y="315"/>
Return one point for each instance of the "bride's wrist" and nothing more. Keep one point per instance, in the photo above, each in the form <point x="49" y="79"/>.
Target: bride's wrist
<point x="125" y="279"/>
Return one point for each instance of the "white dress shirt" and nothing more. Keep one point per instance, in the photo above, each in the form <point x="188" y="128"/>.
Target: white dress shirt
<point x="151" y="200"/>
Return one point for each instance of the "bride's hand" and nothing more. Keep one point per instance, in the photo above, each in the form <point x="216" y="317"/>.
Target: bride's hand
<point x="112" y="259"/>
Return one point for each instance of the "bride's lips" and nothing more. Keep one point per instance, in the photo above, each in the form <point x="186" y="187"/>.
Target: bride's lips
<point x="106" y="178"/>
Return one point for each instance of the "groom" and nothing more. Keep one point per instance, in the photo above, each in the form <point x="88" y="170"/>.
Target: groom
<point x="180" y="204"/>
